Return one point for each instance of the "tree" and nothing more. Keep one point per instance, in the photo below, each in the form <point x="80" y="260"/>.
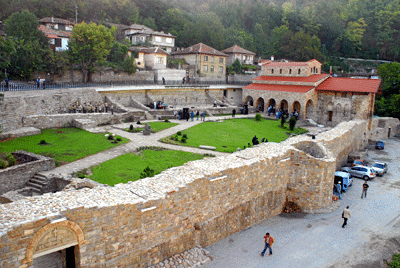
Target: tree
<point x="24" y="25"/>
<point x="388" y="104"/>
<point x="89" y="45"/>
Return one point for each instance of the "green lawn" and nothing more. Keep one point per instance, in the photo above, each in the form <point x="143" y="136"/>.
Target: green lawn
<point x="156" y="126"/>
<point x="64" y="145"/>
<point x="128" y="167"/>
<point x="230" y="134"/>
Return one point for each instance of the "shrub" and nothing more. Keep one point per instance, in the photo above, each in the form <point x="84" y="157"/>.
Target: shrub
<point x="166" y="120"/>
<point x="42" y="142"/>
<point x="184" y="136"/>
<point x="179" y="133"/>
<point x="283" y="120"/>
<point x="3" y="164"/>
<point x="118" y="139"/>
<point x="183" y="140"/>
<point x="10" y="159"/>
<point x="131" y="127"/>
<point x="395" y="263"/>
<point x="258" y="117"/>
<point x="176" y="138"/>
<point x="292" y="123"/>
<point x="138" y="122"/>
<point x="147" y="172"/>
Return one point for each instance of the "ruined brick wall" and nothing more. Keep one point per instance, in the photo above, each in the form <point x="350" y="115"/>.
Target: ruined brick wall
<point x="143" y="222"/>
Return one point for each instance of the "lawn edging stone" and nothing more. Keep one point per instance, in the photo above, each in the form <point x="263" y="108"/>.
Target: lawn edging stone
<point x="207" y="147"/>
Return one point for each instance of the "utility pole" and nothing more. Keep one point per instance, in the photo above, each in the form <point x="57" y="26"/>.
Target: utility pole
<point x="76" y="13"/>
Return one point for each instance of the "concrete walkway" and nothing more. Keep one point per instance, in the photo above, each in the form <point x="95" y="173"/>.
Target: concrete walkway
<point x="138" y="140"/>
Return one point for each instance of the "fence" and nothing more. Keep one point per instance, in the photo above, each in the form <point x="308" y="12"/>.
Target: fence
<point x="24" y="86"/>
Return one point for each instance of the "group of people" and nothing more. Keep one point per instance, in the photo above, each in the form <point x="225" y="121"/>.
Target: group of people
<point x="90" y="107"/>
<point x="41" y="82"/>
<point x="183" y="115"/>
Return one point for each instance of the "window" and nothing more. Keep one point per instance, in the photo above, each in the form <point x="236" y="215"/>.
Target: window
<point x="160" y="60"/>
<point x="272" y="71"/>
<point x="316" y="70"/>
<point x="221" y="60"/>
<point x="221" y="69"/>
<point x="212" y="68"/>
<point x="205" y="68"/>
<point x="280" y="71"/>
<point x="205" y="58"/>
<point x="290" y="71"/>
<point x="168" y="40"/>
<point x="299" y="71"/>
<point x="143" y="38"/>
<point x="157" y="39"/>
<point x="212" y="59"/>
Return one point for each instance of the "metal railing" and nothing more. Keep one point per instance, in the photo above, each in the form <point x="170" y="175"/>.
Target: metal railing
<point x="25" y="86"/>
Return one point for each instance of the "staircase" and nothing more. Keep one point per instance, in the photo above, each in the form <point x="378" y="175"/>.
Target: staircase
<point x="37" y="183"/>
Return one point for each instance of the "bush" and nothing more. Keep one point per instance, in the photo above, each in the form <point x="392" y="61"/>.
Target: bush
<point x="147" y="172"/>
<point x="292" y="123"/>
<point x="138" y="123"/>
<point x="131" y="127"/>
<point x="42" y="142"/>
<point x="183" y="140"/>
<point x="3" y="164"/>
<point x="110" y="137"/>
<point x="179" y="133"/>
<point x="118" y="139"/>
<point x="166" y="120"/>
<point x="283" y="120"/>
<point x="10" y="159"/>
<point x="258" y="117"/>
<point x="184" y="136"/>
<point x="395" y="263"/>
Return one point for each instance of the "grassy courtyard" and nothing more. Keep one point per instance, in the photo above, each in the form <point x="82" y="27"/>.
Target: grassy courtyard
<point x="228" y="135"/>
<point x="155" y="126"/>
<point x="128" y="167"/>
<point x="64" y="145"/>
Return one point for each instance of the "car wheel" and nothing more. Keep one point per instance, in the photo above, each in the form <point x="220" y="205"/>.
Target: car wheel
<point x="365" y="178"/>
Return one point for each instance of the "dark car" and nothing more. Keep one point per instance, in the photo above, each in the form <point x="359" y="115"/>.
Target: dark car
<point x="380" y="145"/>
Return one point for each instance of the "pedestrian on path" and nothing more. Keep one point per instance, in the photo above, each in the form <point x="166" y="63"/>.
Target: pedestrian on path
<point x="269" y="240"/>
<point x="365" y="189"/>
<point x="345" y="215"/>
<point x="192" y="115"/>
<point x="197" y="115"/>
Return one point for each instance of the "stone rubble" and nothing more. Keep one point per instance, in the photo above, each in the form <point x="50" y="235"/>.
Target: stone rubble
<point x="194" y="257"/>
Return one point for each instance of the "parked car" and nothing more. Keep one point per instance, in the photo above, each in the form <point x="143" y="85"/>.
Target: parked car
<point x="380" y="145"/>
<point x="359" y="162"/>
<point x="344" y="178"/>
<point x="365" y="173"/>
<point x="380" y="168"/>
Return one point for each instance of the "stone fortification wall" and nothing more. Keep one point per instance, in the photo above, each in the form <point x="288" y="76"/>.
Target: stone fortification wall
<point x="17" y="105"/>
<point x="140" y="223"/>
<point x="384" y="127"/>
<point x="107" y="75"/>
<point x="16" y="177"/>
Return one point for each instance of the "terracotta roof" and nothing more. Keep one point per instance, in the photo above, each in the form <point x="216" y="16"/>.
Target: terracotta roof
<point x="199" y="48"/>
<point x="350" y="85"/>
<point x="287" y="63"/>
<point x="238" y="50"/>
<point x="149" y="50"/>
<point x="283" y="88"/>
<point x="312" y="78"/>
<point x="56" y="20"/>
<point x="50" y="33"/>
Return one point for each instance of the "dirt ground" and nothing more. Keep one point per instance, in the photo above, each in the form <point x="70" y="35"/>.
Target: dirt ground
<point x="318" y="240"/>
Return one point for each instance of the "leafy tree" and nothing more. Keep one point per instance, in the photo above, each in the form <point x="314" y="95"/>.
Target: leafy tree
<point x="237" y="66"/>
<point x="89" y="45"/>
<point x="24" y="25"/>
<point x="129" y="65"/>
<point x="236" y="36"/>
<point x="389" y="103"/>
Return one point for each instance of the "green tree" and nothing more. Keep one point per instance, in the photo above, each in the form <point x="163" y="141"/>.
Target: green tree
<point x="24" y="25"/>
<point x="90" y="45"/>
<point x="388" y="104"/>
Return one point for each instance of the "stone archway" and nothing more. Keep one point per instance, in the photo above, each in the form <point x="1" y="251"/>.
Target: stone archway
<point x="284" y="106"/>
<point x="309" y="109"/>
<point x="271" y="102"/>
<point x="260" y="104"/>
<point x="296" y="106"/>
<point x="249" y="100"/>
<point x="60" y="235"/>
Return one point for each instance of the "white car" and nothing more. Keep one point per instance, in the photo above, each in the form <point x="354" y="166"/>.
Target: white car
<point x="362" y="172"/>
<point x="380" y="168"/>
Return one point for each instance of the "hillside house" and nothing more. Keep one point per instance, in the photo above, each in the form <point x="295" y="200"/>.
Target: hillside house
<point x="58" y="40"/>
<point x="57" y="24"/>
<point x="237" y="53"/>
<point x="149" y="58"/>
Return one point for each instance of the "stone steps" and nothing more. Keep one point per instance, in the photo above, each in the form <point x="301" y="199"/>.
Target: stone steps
<point x="37" y="183"/>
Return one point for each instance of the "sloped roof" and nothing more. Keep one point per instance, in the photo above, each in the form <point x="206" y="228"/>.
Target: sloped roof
<point x="287" y="63"/>
<point x="200" y="48"/>
<point x="56" y="20"/>
<point x="50" y="33"/>
<point x="149" y="50"/>
<point x="312" y="78"/>
<point x="350" y="85"/>
<point x="238" y="50"/>
<point x="282" y="88"/>
<point x="146" y="30"/>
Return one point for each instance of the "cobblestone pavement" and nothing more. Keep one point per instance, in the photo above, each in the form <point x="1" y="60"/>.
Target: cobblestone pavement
<point x="318" y="240"/>
<point x="137" y="140"/>
<point x="194" y="257"/>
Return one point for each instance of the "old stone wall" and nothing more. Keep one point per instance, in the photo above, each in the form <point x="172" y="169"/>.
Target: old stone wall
<point x="143" y="222"/>
<point x="107" y="74"/>
<point x="15" y="177"/>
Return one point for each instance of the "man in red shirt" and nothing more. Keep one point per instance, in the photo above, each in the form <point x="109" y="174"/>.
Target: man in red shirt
<point x="269" y="240"/>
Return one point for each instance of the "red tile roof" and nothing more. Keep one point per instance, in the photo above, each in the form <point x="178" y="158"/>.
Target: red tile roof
<point x="350" y="85"/>
<point x="199" y="48"/>
<point x="312" y="78"/>
<point x="237" y="49"/>
<point x="283" y="88"/>
<point x="287" y="63"/>
<point x="50" y="33"/>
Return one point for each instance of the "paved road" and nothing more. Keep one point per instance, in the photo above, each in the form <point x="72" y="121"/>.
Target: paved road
<point x="317" y="240"/>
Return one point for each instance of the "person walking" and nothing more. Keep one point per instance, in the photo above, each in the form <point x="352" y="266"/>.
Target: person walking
<point x="365" y="189"/>
<point x="192" y="115"/>
<point x="339" y="189"/>
<point x="233" y="112"/>
<point x="197" y="115"/>
<point x="269" y="240"/>
<point x="6" y="81"/>
<point x="345" y="215"/>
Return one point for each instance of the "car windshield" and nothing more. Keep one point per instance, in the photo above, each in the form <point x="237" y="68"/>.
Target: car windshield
<point x="378" y="165"/>
<point x="358" y="162"/>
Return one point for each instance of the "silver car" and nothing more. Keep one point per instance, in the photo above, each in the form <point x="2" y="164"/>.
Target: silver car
<point x="362" y="172"/>
<point x="380" y="168"/>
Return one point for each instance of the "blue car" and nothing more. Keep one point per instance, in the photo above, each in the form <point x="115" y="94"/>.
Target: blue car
<point x="344" y="178"/>
<point x="380" y="145"/>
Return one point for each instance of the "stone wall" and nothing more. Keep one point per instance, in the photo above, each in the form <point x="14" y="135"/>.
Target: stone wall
<point x="107" y="74"/>
<point x="143" y="222"/>
<point x="17" y="176"/>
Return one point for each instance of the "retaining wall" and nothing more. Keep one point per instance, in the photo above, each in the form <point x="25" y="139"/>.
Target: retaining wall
<point x="143" y="222"/>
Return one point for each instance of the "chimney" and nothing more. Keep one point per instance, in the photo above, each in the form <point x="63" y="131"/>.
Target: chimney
<point x="52" y="19"/>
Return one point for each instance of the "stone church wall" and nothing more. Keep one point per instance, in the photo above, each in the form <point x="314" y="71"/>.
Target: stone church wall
<point x="143" y="222"/>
